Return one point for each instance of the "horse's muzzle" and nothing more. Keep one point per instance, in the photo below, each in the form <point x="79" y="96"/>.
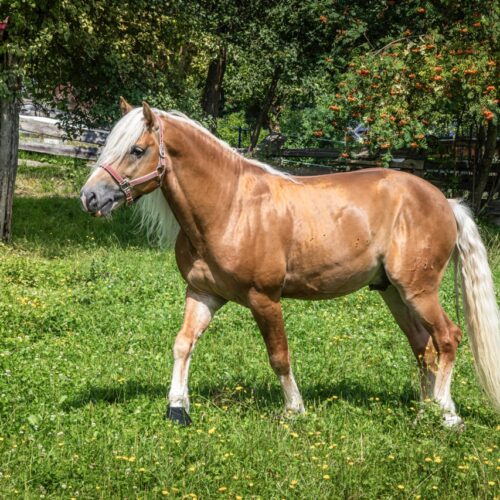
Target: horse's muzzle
<point x="100" y="200"/>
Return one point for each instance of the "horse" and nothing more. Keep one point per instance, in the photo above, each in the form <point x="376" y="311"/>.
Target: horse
<point x="247" y="233"/>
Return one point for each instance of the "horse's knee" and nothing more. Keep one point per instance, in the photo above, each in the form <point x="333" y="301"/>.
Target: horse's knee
<point x="280" y="362"/>
<point x="182" y="347"/>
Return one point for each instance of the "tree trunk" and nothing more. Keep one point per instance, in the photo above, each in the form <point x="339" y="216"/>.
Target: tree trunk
<point x="213" y="92"/>
<point x="9" y="144"/>
<point x="484" y="165"/>
<point x="266" y="106"/>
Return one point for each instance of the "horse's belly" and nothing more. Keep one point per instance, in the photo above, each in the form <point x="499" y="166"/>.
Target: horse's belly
<point x="330" y="281"/>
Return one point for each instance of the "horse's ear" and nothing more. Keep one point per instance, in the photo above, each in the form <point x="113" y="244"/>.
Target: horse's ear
<point x="125" y="106"/>
<point x="149" y="117"/>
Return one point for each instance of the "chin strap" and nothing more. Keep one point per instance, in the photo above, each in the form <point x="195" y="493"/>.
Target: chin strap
<point x="125" y="184"/>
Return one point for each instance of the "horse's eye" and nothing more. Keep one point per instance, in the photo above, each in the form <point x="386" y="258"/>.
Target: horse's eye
<point x="137" y="151"/>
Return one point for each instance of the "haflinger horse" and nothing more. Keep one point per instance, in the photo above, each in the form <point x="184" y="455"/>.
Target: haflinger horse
<point x="245" y="232"/>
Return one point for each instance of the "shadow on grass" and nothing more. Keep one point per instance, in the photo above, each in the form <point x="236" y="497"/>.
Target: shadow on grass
<point x="55" y="224"/>
<point x="262" y="395"/>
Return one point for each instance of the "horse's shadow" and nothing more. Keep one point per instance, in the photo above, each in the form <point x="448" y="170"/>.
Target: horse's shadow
<point x="262" y="395"/>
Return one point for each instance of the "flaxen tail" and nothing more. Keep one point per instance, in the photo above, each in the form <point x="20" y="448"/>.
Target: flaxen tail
<point x="481" y="310"/>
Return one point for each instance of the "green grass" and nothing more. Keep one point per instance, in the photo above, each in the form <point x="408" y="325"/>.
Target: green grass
<point x="88" y="316"/>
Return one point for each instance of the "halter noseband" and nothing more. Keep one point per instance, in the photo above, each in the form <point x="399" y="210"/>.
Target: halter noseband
<point x="125" y="184"/>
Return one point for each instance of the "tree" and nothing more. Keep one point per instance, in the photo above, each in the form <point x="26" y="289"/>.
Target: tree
<point x="91" y="52"/>
<point x="436" y="70"/>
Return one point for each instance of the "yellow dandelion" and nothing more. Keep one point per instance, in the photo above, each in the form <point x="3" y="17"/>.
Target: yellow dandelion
<point x="222" y="489"/>
<point x="238" y="388"/>
<point x="391" y="457"/>
<point x="131" y="459"/>
<point x="427" y="459"/>
<point x="294" y="434"/>
<point x="326" y="477"/>
<point x="437" y="459"/>
<point x="164" y="493"/>
<point x="192" y="468"/>
<point x="401" y="486"/>
<point x="294" y="482"/>
<point x="212" y="430"/>
<point x="238" y="497"/>
<point x="235" y="478"/>
<point x="142" y="469"/>
<point x="434" y="487"/>
<point x="332" y="446"/>
<point x="491" y="483"/>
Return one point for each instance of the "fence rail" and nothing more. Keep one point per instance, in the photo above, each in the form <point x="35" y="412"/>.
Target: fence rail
<point x="44" y="135"/>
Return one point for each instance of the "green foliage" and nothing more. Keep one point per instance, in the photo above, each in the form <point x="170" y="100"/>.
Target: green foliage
<point x="88" y="314"/>
<point x="437" y="73"/>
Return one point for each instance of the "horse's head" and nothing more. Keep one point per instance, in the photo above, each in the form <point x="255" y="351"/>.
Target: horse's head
<point x="131" y="164"/>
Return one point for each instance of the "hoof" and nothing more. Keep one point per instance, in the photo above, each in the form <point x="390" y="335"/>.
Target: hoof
<point x="179" y="415"/>
<point x="453" y="422"/>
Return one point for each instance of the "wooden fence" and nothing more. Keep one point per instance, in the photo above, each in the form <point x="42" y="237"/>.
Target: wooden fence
<point x="43" y="135"/>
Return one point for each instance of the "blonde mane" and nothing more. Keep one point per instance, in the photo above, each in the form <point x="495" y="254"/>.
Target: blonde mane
<point x="153" y="213"/>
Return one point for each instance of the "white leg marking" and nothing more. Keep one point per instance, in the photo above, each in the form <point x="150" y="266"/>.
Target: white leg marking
<point x="293" y="399"/>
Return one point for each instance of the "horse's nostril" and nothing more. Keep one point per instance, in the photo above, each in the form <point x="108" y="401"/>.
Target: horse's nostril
<point x="92" y="201"/>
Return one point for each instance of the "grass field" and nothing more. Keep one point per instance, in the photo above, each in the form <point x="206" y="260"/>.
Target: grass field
<point x="88" y="315"/>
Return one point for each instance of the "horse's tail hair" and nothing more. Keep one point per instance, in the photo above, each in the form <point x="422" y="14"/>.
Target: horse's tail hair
<point x="480" y="306"/>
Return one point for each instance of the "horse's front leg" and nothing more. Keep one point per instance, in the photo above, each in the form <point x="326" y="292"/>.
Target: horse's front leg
<point x="268" y="315"/>
<point x="199" y="311"/>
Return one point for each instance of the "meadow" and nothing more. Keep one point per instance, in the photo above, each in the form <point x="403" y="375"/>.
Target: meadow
<point x="88" y="315"/>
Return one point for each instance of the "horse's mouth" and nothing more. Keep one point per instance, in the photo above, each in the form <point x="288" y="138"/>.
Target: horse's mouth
<point x="108" y="207"/>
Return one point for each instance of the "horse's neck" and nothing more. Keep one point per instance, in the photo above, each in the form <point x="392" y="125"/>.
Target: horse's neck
<point x="202" y="183"/>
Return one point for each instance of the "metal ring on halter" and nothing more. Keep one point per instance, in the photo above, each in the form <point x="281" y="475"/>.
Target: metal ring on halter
<point x="125" y="184"/>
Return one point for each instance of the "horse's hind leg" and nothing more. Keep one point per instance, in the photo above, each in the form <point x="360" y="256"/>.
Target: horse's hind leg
<point x="434" y="340"/>
<point x="198" y="313"/>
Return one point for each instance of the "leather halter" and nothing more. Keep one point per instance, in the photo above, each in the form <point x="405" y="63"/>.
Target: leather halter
<point x="125" y="184"/>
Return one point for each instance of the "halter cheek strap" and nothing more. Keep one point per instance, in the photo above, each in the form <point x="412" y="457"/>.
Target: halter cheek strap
<point x="125" y="184"/>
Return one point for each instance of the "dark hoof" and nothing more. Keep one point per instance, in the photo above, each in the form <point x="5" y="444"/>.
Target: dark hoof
<point x="179" y="415"/>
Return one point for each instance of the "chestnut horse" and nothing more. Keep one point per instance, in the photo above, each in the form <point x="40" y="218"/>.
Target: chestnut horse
<point x="250" y="234"/>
